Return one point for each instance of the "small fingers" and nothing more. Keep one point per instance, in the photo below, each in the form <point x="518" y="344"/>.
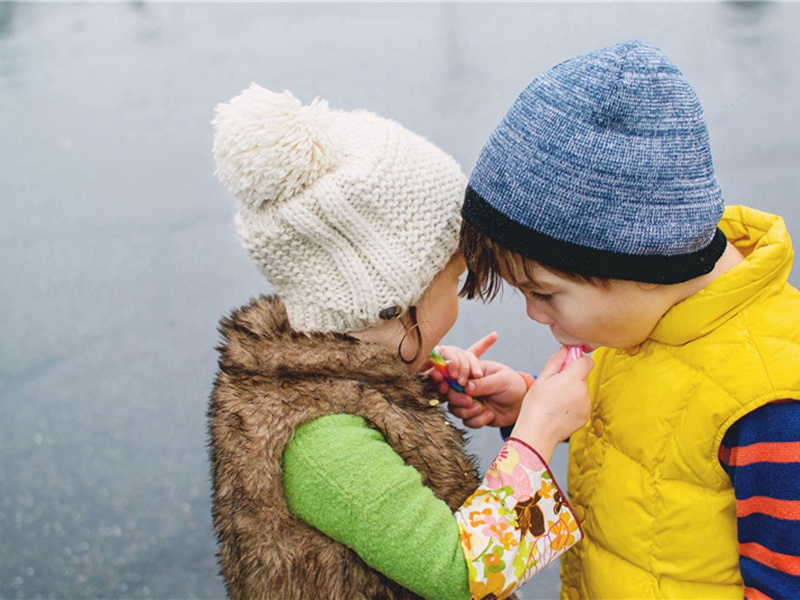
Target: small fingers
<point x="482" y="420"/>
<point x="461" y="367"/>
<point x="554" y="363"/>
<point x="580" y="367"/>
<point x="467" y="413"/>
<point x="473" y="411"/>
<point x="461" y="372"/>
<point x="457" y="412"/>
<point x="485" y="386"/>
<point x="455" y="399"/>
<point x="454" y="361"/>
<point x="470" y="368"/>
<point x="483" y="344"/>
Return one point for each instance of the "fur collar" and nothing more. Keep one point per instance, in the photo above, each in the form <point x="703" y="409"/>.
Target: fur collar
<point x="261" y="341"/>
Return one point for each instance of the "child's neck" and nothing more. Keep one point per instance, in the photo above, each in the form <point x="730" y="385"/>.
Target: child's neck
<point x="729" y="259"/>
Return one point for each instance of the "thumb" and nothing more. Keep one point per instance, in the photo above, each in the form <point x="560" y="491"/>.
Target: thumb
<point x="580" y="367"/>
<point x="485" y="386"/>
<point x="553" y="365"/>
<point x="483" y="344"/>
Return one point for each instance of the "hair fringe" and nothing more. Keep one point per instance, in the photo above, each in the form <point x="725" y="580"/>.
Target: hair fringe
<point x="489" y="265"/>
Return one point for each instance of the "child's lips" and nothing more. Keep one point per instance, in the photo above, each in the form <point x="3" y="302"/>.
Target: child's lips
<point x="586" y="348"/>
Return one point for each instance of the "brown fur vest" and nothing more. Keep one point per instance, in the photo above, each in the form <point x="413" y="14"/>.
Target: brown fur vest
<point x="273" y="379"/>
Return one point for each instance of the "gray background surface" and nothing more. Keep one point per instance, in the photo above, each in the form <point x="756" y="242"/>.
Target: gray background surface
<point x="117" y="256"/>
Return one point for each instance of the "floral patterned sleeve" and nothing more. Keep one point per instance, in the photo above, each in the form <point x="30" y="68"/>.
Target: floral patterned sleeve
<point x="516" y="523"/>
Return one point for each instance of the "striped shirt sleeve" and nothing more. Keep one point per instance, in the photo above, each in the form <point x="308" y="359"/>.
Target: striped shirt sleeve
<point x="761" y="454"/>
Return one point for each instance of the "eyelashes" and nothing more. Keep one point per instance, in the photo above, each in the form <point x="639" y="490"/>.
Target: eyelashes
<point x="538" y="296"/>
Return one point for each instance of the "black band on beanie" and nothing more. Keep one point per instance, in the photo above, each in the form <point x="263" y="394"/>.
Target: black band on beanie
<point x="589" y="262"/>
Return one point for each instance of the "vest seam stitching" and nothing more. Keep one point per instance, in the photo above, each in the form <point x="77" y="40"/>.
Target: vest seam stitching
<point x="671" y="442"/>
<point x="716" y="467"/>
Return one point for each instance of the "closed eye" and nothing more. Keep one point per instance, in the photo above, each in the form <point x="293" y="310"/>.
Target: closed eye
<point x="538" y="296"/>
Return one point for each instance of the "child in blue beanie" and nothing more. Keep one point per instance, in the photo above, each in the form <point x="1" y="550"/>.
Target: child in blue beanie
<point x="596" y="197"/>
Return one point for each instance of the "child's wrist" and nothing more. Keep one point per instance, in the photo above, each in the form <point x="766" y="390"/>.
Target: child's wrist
<point x="528" y="379"/>
<point x="536" y="437"/>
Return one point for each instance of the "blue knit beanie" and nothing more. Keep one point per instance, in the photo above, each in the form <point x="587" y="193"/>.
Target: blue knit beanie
<point x="602" y="167"/>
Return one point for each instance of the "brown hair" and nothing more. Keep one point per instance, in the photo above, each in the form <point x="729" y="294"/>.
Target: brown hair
<point x="489" y="264"/>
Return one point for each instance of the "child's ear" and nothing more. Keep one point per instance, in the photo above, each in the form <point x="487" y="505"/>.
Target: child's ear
<point x="647" y="286"/>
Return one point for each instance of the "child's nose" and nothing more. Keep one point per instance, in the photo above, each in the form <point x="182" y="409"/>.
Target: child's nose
<point x="536" y="313"/>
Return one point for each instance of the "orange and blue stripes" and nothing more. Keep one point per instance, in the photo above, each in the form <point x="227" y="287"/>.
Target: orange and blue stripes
<point x="761" y="454"/>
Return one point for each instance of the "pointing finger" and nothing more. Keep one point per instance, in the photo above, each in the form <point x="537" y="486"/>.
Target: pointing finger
<point x="483" y="344"/>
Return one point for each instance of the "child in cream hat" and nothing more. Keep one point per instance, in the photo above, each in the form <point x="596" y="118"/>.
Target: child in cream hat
<point x="335" y="472"/>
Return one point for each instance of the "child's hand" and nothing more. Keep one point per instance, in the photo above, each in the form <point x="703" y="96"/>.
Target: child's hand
<point x="500" y="389"/>
<point x="557" y="405"/>
<point x="463" y="365"/>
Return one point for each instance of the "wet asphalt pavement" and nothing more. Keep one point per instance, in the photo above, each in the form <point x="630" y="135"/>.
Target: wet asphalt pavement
<point x="117" y="256"/>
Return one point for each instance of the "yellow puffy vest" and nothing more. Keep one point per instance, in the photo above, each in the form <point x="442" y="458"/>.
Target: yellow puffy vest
<point x="644" y="477"/>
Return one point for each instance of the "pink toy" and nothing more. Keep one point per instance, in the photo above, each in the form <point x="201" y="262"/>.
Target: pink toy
<point x="573" y="353"/>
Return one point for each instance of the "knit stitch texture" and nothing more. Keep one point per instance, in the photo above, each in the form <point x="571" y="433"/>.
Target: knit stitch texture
<point x="344" y="213"/>
<point x="603" y="166"/>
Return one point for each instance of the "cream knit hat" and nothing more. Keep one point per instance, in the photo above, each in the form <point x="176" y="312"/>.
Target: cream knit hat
<point x="345" y="213"/>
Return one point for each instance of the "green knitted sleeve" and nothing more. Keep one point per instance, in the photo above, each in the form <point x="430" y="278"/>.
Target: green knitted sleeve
<point x="341" y="477"/>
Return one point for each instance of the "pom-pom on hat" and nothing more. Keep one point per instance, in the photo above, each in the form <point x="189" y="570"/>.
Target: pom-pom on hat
<point x="602" y="167"/>
<point x="345" y="213"/>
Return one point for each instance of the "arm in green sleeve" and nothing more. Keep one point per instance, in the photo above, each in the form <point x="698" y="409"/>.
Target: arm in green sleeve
<point x="342" y="478"/>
